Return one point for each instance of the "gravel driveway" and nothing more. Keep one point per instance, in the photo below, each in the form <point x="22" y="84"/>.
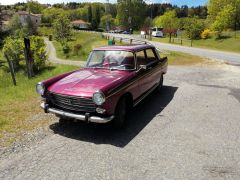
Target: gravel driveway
<point x="191" y="130"/>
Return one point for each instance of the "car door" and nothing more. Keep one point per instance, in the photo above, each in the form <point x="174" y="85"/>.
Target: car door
<point x="147" y="77"/>
<point x="155" y="71"/>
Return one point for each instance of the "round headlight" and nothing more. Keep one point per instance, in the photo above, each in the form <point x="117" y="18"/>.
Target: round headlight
<point x="40" y="88"/>
<point x="98" y="98"/>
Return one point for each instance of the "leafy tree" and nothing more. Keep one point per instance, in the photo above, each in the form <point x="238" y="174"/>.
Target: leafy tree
<point x="38" y="51"/>
<point x="14" y="49"/>
<point x="194" y="27"/>
<point x="62" y="29"/>
<point x="107" y="18"/>
<point x="220" y="8"/>
<point x="168" y="21"/>
<point x="50" y="14"/>
<point x="130" y="13"/>
<point x="148" y="22"/>
<point x="224" y="19"/>
<point x="34" y="7"/>
<point x="89" y="13"/>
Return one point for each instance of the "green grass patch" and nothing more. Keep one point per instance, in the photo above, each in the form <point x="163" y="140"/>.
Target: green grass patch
<point x="87" y="40"/>
<point x="227" y="43"/>
<point x="19" y="103"/>
<point x="178" y="58"/>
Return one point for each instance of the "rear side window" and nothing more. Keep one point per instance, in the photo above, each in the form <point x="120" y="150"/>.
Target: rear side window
<point x="150" y="55"/>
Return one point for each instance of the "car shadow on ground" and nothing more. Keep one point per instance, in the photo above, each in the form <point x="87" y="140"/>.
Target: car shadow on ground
<point x="106" y="134"/>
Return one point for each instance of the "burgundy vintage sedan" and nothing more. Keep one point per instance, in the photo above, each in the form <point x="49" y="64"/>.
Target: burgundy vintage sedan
<point x="115" y="79"/>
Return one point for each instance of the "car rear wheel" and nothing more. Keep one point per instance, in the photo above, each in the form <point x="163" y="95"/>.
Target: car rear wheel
<point x="120" y="113"/>
<point x="160" y="84"/>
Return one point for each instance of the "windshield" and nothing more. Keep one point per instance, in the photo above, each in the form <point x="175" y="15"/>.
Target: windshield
<point x="122" y="60"/>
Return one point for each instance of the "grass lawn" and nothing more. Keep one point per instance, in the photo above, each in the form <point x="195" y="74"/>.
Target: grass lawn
<point x="178" y="58"/>
<point x="87" y="40"/>
<point x="228" y="43"/>
<point x="19" y="104"/>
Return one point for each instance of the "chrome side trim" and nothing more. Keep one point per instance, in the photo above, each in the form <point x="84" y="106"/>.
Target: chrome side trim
<point x="80" y="117"/>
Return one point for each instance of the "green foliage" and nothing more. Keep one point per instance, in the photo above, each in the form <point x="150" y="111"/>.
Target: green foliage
<point x="38" y="52"/>
<point x="194" y="28"/>
<point x="224" y="19"/>
<point x="66" y="48"/>
<point x="34" y="7"/>
<point x="76" y="48"/>
<point x="50" y="14"/>
<point x="148" y="22"/>
<point x="62" y="29"/>
<point x="107" y="18"/>
<point x="130" y="13"/>
<point x="14" y="49"/>
<point x="224" y="14"/>
<point x="96" y="16"/>
<point x="167" y="21"/>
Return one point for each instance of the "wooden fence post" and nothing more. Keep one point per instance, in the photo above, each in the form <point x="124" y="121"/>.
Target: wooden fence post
<point x="11" y="69"/>
<point x="131" y="41"/>
<point x="28" y="58"/>
<point x="191" y="42"/>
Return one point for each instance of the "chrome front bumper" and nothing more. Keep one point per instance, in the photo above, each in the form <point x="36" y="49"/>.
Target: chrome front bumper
<point x="80" y="117"/>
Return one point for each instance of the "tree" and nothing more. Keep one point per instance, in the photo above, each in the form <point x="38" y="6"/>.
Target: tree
<point x="220" y="8"/>
<point x="168" y="21"/>
<point x="107" y="18"/>
<point x="34" y="7"/>
<point x="14" y="49"/>
<point x="130" y="13"/>
<point x="224" y="19"/>
<point x="62" y="29"/>
<point x="194" y="27"/>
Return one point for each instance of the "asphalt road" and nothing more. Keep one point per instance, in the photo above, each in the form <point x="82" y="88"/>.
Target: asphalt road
<point x="232" y="58"/>
<point x="191" y="130"/>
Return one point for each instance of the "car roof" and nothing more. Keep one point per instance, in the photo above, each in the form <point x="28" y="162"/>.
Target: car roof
<point x="133" y="48"/>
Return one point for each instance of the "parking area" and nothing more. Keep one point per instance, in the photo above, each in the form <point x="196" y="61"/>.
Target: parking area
<point x="191" y="130"/>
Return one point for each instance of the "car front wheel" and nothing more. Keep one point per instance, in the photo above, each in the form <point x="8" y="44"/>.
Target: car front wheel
<point x="120" y="113"/>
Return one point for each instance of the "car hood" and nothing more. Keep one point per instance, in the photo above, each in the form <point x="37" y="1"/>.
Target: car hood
<point x="89" y="80"/>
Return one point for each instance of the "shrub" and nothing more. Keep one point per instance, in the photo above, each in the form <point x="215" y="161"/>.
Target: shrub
<point x="76" y="48"/>
<point x="38" y="52"/>
<point x="65" y="48"/>
<point x="14" y="49"/>
<point x="205" y="34"/>
<point x="50" y="37"/>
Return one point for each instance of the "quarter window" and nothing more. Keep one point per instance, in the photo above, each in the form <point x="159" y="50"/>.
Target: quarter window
<point x="150" y="55"/>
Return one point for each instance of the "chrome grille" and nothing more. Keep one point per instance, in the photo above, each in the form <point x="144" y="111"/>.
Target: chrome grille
<point x="73" y="103"/>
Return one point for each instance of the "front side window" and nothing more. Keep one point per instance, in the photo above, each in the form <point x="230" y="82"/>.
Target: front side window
<point x="122" y="60"/>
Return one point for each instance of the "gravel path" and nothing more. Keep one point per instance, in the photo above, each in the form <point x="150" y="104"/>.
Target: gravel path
<point x="232" y="58"/>
<point x="191" y="130"/>
<point x="54" y="59"/>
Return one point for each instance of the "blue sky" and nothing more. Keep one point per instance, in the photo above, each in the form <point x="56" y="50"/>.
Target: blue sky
<point x="177" y="2"/>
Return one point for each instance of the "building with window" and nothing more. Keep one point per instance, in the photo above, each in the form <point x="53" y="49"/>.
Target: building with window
<point x="35" y="18"/>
